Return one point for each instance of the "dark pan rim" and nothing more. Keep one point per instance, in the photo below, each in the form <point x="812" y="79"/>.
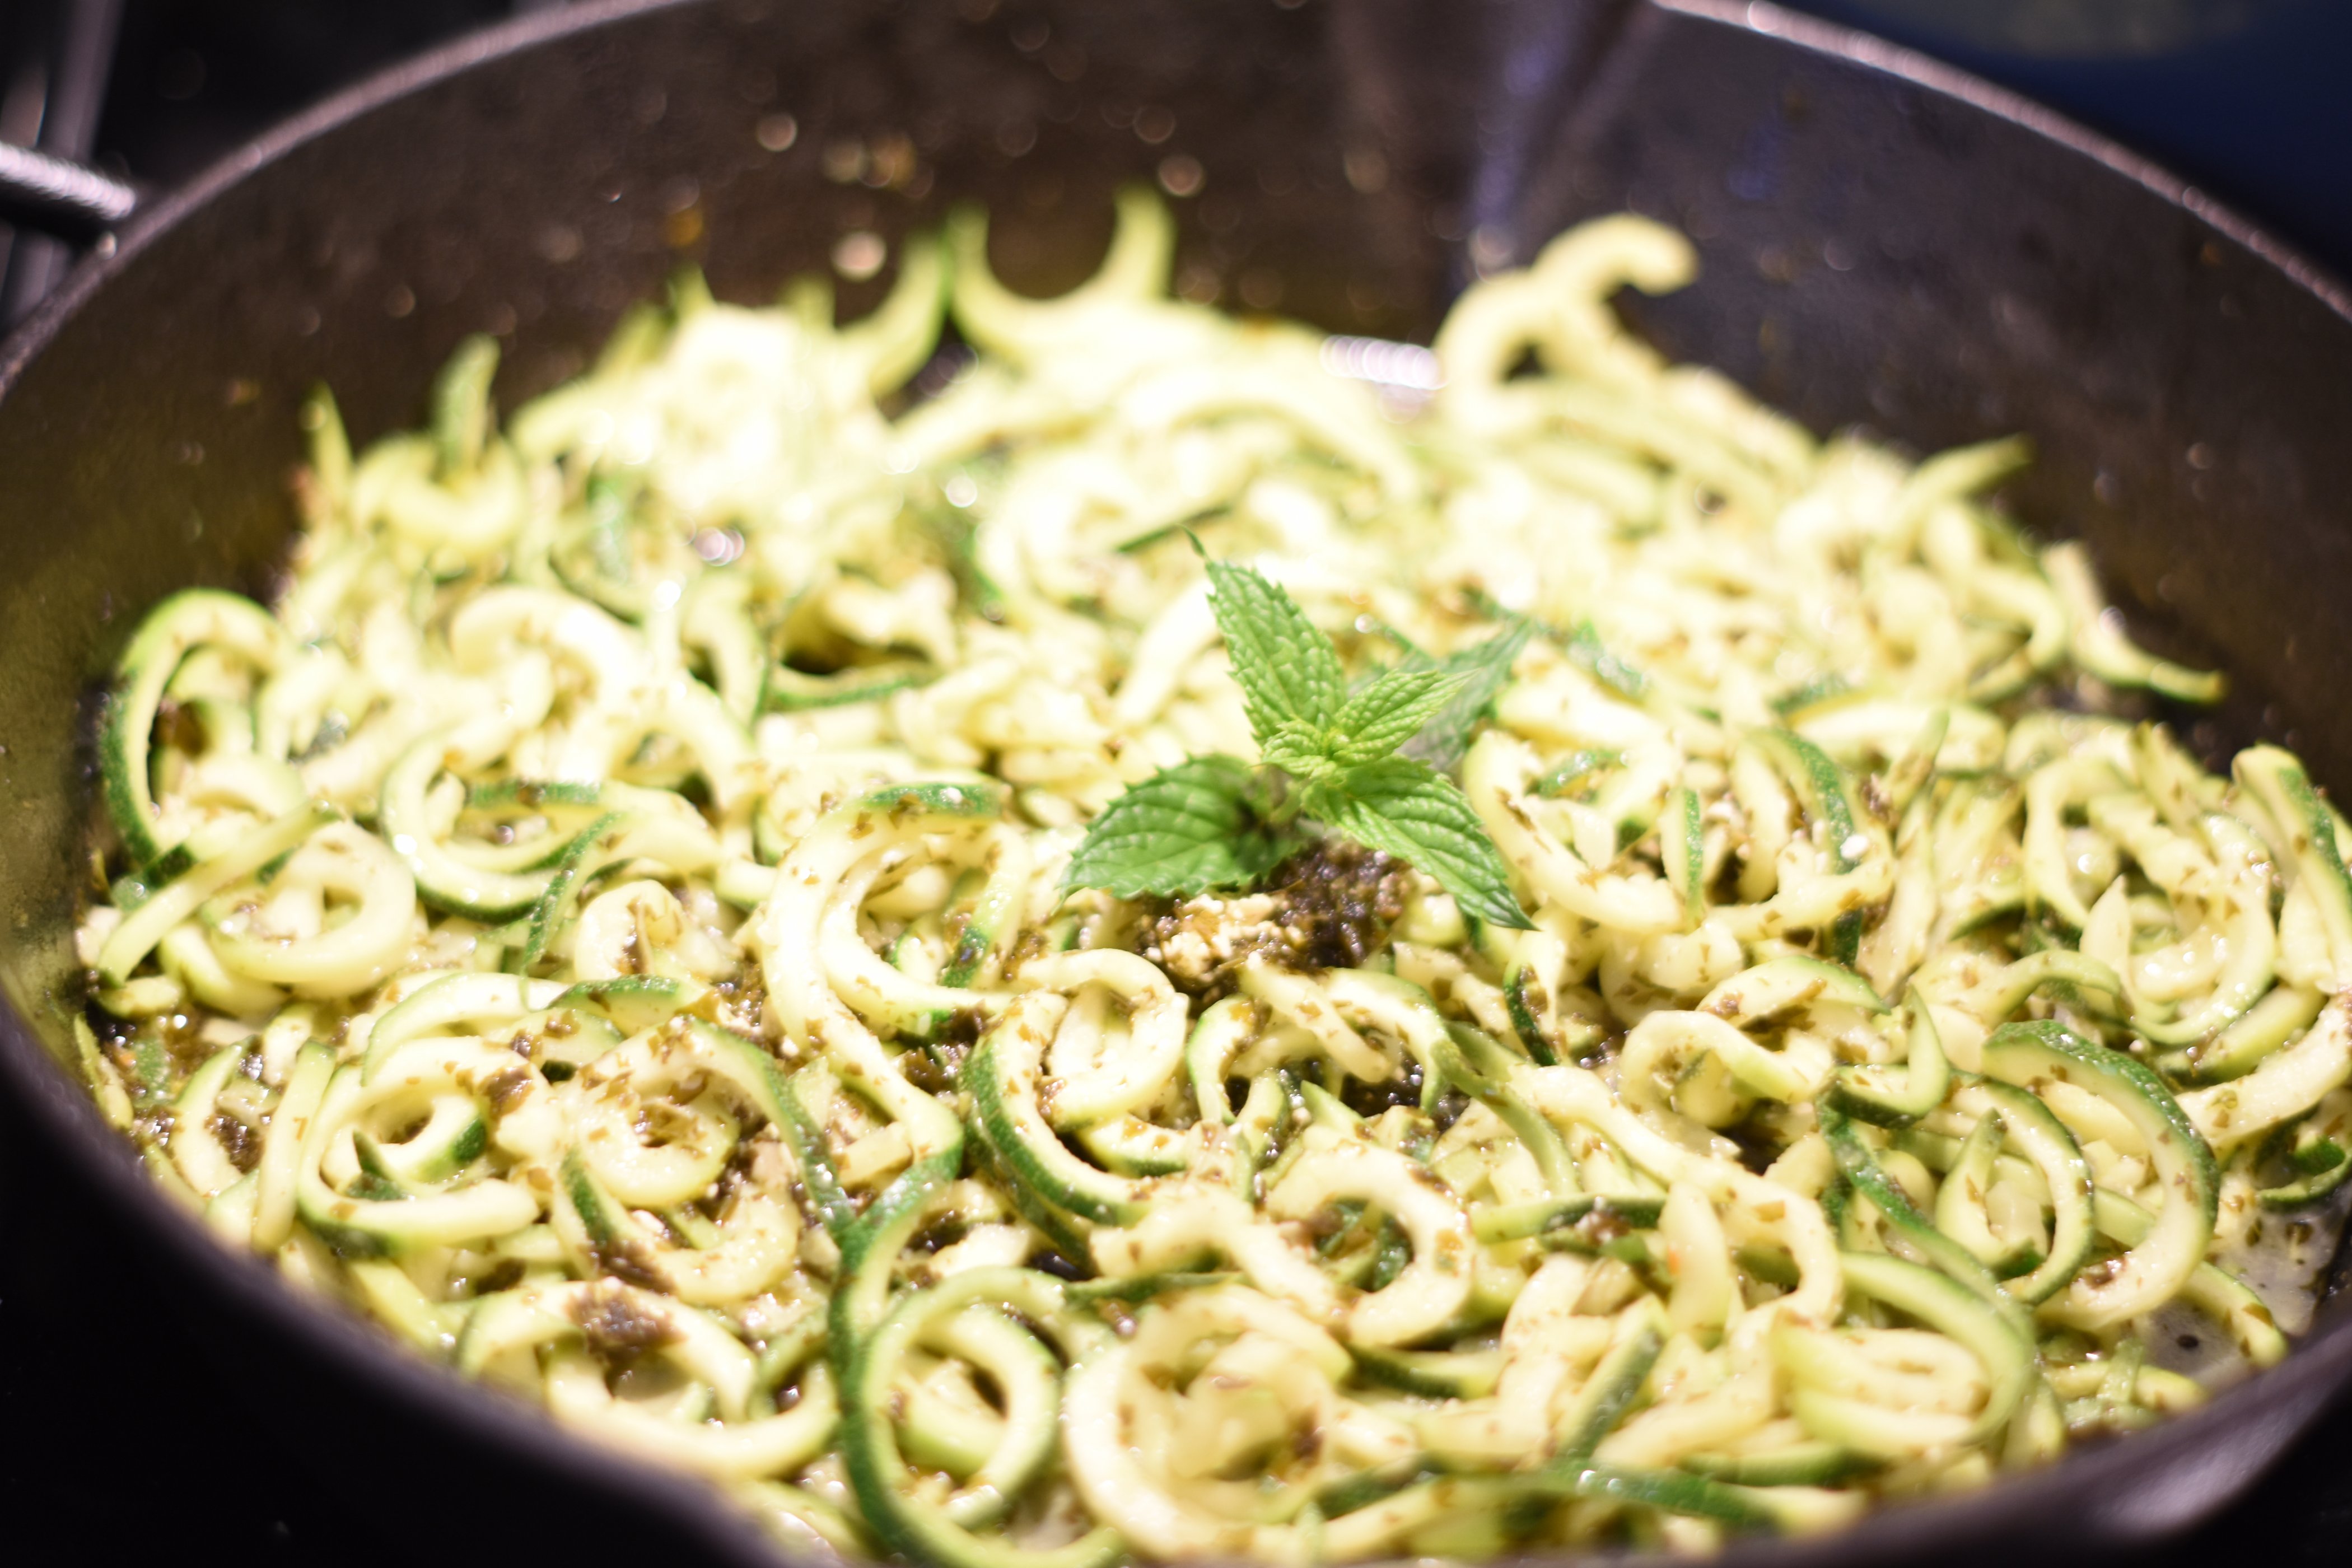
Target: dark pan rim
<point x="2262" y="1415"/>
<point x="1874" y="53"/>
<point x="160" y="214"/>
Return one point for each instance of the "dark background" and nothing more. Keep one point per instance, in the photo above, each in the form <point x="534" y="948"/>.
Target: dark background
<point x="118" y="1435"/>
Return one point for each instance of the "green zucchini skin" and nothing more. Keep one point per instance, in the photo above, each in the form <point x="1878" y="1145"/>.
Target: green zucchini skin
<point x="452" y="999"/>
<point x="1998" y="1337"/>
<point x="2305" y="833"/>
<point x="1867" y="1095"/>
<point x="1912" y="1231"/>
<point x="1814" y="1464"/>
<point x="910" y="1525"/>
<point x="1432" y="1374"/>
<point x="443" y="881"/>
<point x="1000" y="1076"/>
<point x="1556" y="1221"/>
<point x="787" y="691"/>
<point x="1609" y="1394"/>
<point x="193" y="618"/>
<point x="2027" y="1054"/>
<point x="1828" y="800"/>
<point x="2318" y="1183"/>
<point x="1785" y="984"/>
<point x="2053" y="1149"/>
<point x="1682" y="838"/>
<point x="1669" y="1491"/>
<point x="175" y="901"/>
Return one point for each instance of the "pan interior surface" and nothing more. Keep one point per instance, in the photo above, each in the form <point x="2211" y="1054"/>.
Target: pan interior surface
<point x="1875" y="251"/>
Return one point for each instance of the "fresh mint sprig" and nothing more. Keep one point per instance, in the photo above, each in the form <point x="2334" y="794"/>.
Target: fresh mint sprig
<point x="1364" y="765"/>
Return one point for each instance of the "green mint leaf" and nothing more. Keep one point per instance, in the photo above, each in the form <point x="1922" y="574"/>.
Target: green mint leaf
<point x="1184" y="830"/>
<point x="1287" y="669"/>
<point x="1389" y="712"/>
<point x="1482" y="670"/>
<point x="1405" y="808"/>
<point x="1301" y="749"/>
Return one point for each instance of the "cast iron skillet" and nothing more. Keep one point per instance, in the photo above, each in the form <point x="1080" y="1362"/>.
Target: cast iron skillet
<point x="1884" y="243"/>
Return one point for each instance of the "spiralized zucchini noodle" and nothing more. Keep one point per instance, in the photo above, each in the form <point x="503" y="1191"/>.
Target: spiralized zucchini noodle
<point x="607" y="924"/>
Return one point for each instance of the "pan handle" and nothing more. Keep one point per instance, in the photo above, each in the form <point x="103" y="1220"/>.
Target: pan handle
<point x="55" y="196"/>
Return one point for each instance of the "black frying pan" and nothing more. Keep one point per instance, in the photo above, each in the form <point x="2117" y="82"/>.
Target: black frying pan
<point x="1884" y="243"/>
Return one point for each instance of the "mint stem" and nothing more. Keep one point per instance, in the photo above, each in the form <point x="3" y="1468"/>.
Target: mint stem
<point x="1281" y="800"/>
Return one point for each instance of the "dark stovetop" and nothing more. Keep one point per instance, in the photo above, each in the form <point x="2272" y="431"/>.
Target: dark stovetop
<point x="119" y="1426"/>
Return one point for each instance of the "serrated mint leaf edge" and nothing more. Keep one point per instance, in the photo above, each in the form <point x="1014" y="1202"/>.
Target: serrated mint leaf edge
<point x="1184" y="830"/>
<point x="1286" y="667"/>
<point x="1390" y="712"/>
<point x="1485" y="667"/>
<point x="1376" y="806"/>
